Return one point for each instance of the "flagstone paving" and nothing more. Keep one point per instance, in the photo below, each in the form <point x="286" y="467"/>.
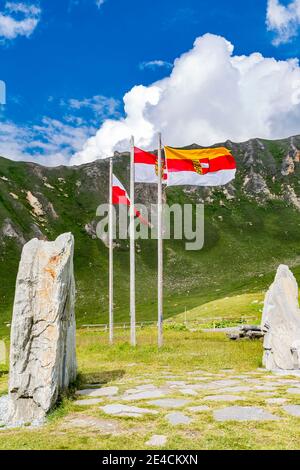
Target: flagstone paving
<point x="124" y="410"/>
<point x="144" y="395"/>
<point x="178" y="418"/>
<point x="205" y="393"/>
<point x="188" y="391"/>
<point x="157" y="441"/>
<point x="169" y="403"/>
<point x="176" y="383"/>
<point x="276" y="401"/>
<point x="237" y="389"/>
<point x="294" y="391"/>
<point x="243" y="413"/>
<point x="286" y="373"/>
<point x="96" y="424"/>
<point x="293" y="410"/>
<point x="224" y="398"/>
<point x="99" y="392"/>
<point x="88" y="402"/>
<point x="198" y="409"/>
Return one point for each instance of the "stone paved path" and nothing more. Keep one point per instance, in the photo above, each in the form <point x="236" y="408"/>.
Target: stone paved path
<point x="181" y="400"/>
<point x="243" y="413"/>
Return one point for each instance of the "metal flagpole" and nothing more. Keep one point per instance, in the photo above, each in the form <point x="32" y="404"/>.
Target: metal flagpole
<point x="159" y="248"/>
<point x="132" y="249"/>
<point x="111" y="250"/>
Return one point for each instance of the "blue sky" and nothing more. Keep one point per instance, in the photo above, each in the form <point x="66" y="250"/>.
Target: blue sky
<point x="80" y="58"/>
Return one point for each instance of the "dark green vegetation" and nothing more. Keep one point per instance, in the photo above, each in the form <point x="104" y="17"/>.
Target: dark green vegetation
<point x="250" y="227"/>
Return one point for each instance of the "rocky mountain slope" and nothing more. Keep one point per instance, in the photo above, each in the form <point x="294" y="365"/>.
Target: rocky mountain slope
<point x="251" y="226"/>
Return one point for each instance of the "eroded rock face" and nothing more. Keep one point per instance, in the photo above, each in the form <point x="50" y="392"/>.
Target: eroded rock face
<point x="43" y="356"/>
<point x="281" y="323"/>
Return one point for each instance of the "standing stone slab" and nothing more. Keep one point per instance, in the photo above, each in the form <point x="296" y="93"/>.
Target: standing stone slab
<point x="43" y="355"/>
<point x="281" y="323"/>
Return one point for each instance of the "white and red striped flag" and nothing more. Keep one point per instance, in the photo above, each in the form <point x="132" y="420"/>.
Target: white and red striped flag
<point x="146" y="167"/>
<point x="120" y="197"/>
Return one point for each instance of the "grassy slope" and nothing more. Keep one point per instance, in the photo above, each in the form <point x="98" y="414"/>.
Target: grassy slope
<point x="244" y="307"/>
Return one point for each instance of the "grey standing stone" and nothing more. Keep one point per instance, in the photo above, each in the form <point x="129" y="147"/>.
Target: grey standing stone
<point x="43" y="354"/>
<point x="243" y="413"/>
<point x="281" y="323"/>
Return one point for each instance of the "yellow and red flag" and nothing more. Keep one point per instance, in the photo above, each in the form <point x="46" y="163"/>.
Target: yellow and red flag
<point x="199" y="167"/>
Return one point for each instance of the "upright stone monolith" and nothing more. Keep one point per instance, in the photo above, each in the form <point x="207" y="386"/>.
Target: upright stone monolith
<point x="281" y="323"/>
<point x="43" y="356"/>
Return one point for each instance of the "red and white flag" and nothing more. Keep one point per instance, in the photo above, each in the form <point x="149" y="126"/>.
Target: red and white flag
<point x="146" y="167"/>
<point x="119" y="193"/>
<point x="120" y="197"/>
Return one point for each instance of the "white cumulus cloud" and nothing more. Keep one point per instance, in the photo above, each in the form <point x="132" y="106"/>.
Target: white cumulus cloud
<point x="153" y="64"/>
<point x="283" y="20"/>
<point x="211" y="95"/>
<point x="18" y="19"/>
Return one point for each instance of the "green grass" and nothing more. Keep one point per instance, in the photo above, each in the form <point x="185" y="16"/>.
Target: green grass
<point x="126" y="367"/>
<point x="247" y="307"/>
